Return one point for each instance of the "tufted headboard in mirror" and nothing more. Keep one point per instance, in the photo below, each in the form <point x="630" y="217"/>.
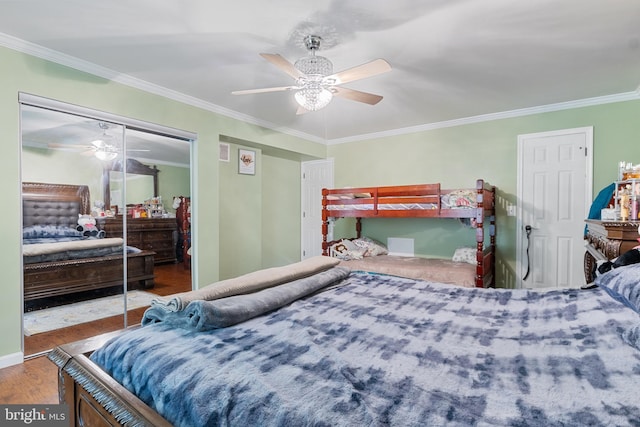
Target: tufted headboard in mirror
<point x="53" y="204"/>
<point x="59" y="205"/>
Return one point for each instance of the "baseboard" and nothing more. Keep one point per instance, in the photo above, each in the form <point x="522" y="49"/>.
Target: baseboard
<point x="11" y="359"/>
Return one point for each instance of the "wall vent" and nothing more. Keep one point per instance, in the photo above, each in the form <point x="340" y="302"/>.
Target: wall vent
<point x="400" y="246"/>
<point x="224" y="152"/>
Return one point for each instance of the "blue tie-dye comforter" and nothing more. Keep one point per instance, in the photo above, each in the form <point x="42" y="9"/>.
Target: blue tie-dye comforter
<point x="382" y="350"/>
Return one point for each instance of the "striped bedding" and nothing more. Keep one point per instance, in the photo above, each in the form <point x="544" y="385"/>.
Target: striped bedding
<point x="381" y="350"/>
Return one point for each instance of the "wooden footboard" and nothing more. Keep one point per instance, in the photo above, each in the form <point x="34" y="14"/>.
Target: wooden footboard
<point x="93" y="397"/>
<point x="47" y="279"/>
<point x="485" y="269"/>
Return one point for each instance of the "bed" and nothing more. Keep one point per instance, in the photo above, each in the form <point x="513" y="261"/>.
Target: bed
<point x="55" y="262"/>
<point x="459" y="273"/>
<point x="373" y="349"/>
<point x="474" y="206"/>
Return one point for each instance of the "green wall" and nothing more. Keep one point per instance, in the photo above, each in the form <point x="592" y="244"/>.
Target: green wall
<point x="237" y="225"/>
<point x="24" y="73"/>
<point x="173" y="181"/>
<point x="240" y="211"/>
<point x="63" y="167"/>
<point x="281" y="221"/>
<point x="456" y="156"/>
<point x="266" y="204"/>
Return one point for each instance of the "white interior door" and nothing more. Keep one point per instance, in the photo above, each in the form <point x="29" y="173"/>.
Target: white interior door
<point x="316" y="175"/>
<point x="554" y="194"/>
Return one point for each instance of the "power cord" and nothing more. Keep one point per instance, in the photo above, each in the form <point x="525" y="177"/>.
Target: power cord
<point x="527" y="229"/>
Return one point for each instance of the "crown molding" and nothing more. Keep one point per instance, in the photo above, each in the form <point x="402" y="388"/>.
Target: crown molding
<point x="106" y="73"/>
<point x="587" y="102"/>
<point x="111" y="75"/>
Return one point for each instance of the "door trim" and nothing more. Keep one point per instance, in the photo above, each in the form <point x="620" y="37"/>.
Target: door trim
<point x="520" y="242"/>
<point x="329" y="163"/>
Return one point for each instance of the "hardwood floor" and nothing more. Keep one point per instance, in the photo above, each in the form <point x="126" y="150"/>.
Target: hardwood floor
<point x="35" y="381"/>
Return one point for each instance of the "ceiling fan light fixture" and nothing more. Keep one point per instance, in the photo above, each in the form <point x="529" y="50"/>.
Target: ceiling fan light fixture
<point x="313" y="93"/>
<point x="313" y="98"/>
<point x="314" y="66"/>
<point x="106" y="155"/>
<point x="316" y="84"/>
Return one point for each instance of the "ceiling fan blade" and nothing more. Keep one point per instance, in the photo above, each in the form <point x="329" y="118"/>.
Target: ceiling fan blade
<point x="67" y="147"/>
<point x="356" y="95"/>
<point x="369" y="69"/>
<point x="268" y="89"/>
<point x="283" y="64"/>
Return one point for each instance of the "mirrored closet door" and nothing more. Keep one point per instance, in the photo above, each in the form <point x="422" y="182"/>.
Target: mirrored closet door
<point x="103" y="232"/>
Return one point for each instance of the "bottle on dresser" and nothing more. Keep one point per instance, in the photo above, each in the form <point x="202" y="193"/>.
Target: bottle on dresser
<point x="624" y="205"/>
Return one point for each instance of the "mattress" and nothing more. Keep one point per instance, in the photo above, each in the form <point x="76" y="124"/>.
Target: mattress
<point x="383" y="206"/>
<point x="429" y="269"/>
<point x="457" y="199"/>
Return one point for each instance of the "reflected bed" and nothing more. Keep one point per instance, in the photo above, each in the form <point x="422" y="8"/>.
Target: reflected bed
<point x="57" y="206"/>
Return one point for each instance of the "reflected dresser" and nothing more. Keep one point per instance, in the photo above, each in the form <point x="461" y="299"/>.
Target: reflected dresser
<point x="153" y="234"/>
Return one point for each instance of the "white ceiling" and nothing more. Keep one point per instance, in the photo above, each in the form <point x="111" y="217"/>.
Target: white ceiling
<point x="46" y="129"/>
<point x="451" y="59"/>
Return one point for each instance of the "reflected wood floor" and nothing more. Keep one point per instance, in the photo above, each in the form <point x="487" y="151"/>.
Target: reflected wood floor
<point x="35" y="381"/>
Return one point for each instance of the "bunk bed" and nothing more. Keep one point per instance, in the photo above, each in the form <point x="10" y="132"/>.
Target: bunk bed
<point x="67" y="264"/>
<point x="476" y="206"/>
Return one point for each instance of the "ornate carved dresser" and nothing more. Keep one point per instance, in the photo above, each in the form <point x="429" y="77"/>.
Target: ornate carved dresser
<point x="152" y="234"/>
<point x="606" y="240"/>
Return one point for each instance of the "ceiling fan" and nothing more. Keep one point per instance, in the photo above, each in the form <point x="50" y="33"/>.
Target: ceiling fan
<point x="104" y="147"/>
<point x="316" y="84"/>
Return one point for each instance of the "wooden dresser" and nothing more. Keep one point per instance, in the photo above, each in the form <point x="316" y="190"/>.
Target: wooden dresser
<point x="153" y="234"/>
<point x="606" y="240"/>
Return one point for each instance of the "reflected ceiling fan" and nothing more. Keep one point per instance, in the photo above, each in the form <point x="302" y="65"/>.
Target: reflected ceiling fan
<point x="105" y="147"/>
<point x="316" y="84"/>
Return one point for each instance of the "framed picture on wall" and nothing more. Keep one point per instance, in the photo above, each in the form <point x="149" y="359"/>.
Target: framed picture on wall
<point x="246" y="162"/>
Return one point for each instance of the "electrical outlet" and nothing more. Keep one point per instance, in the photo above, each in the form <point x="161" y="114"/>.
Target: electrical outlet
<point x="511" y="210"/>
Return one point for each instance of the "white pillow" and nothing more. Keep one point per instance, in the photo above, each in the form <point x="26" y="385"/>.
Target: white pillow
<point x="467" y="255"/>
<point x="370" y="246"/>
<point x="346" y="250"/>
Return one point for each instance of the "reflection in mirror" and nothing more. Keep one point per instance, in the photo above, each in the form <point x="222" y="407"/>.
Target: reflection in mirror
<point x="139" y="188"/>
<point x="141" y="185"/>
<point x="61" y="185"/>
<point x="62" y="155"/>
